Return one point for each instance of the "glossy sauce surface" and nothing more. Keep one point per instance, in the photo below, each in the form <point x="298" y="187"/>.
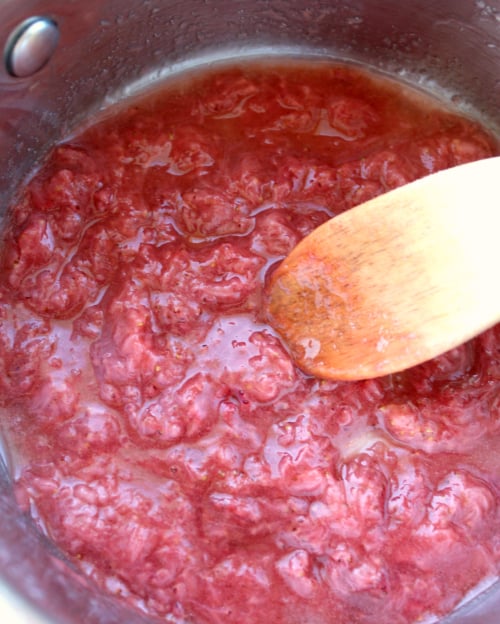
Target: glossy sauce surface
<point x="160" y="433"/>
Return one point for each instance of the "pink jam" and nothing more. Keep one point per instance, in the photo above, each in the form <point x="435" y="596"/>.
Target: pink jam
<point x="159" y="432"/>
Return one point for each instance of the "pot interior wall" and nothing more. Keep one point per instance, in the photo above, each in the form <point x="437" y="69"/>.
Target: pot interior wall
<point x="110" y="49"/>
<point x="452" y="46"/>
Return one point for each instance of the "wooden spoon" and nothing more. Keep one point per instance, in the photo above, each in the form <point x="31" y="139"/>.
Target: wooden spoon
<point x="397" y="280"/>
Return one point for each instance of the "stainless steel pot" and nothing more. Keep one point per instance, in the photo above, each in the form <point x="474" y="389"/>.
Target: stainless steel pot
<point x="107" y="50"/>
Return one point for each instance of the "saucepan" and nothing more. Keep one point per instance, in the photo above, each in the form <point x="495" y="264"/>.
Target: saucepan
<point x="65" y="60"/>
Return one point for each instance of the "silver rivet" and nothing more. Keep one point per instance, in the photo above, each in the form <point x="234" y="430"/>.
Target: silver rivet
<point x="30" y="46"/>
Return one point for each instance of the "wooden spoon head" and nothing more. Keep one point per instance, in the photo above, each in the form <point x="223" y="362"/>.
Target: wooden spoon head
<point x="396" y="281"/>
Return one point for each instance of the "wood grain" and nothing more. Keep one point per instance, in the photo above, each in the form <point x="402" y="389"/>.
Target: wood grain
<point x="397" y="280"/>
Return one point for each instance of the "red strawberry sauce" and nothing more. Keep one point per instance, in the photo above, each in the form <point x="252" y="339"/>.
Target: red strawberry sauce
<point x="156" y="427"/>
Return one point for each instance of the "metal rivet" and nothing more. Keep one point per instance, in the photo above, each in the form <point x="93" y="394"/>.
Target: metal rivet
<point x="30" y="46"/>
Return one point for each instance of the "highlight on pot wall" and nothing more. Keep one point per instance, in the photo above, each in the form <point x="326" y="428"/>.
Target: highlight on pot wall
<point x="161" y="454"/>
